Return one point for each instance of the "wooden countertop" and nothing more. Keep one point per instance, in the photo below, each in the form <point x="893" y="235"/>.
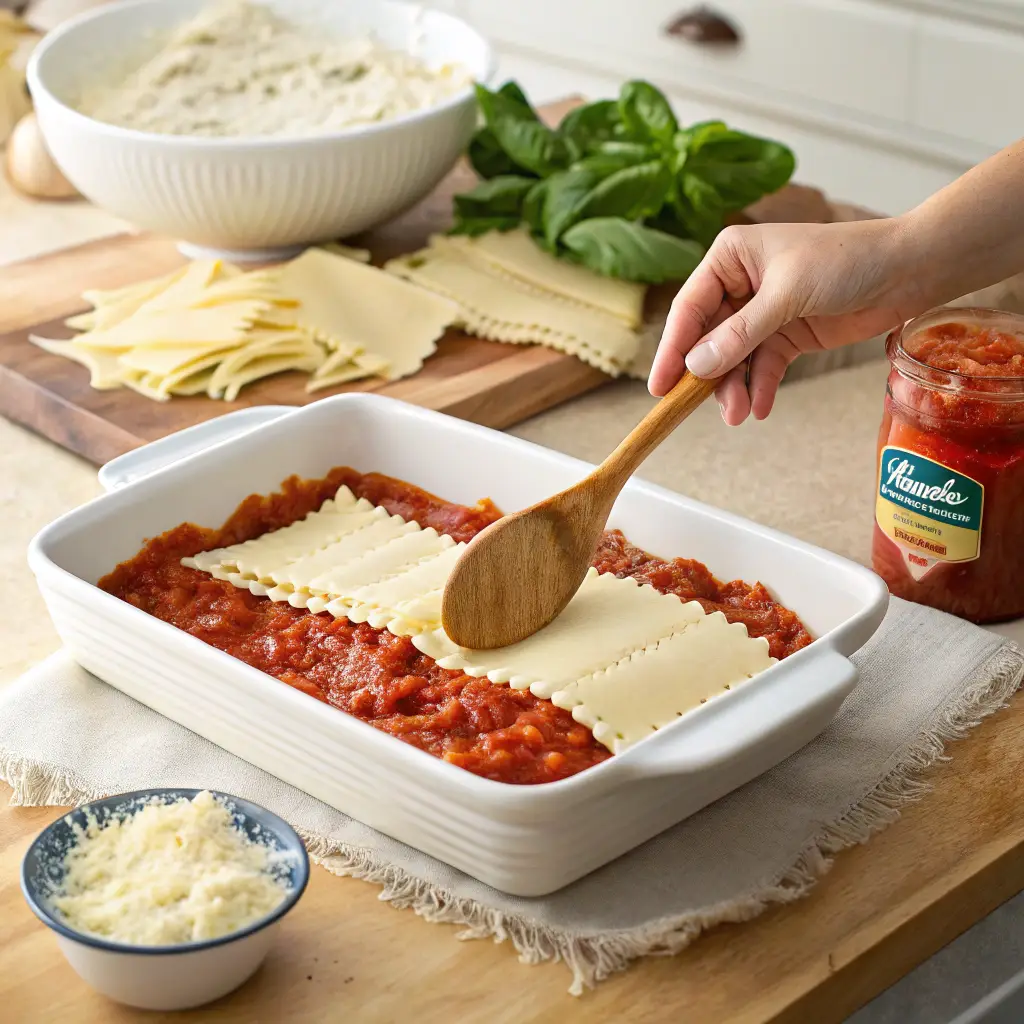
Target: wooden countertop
<point x="884" y="907"/>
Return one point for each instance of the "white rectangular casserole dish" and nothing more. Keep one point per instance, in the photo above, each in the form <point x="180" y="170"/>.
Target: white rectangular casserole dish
<point x="525" y="840"/>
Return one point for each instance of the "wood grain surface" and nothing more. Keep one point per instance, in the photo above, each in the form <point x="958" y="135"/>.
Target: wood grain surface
<point x="343" y="955"/>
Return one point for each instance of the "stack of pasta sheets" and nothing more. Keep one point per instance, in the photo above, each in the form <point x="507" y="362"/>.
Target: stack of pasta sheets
<point x="510" y="290"/>
<point x="623" y="658"/>
<point x="210" y="328"/>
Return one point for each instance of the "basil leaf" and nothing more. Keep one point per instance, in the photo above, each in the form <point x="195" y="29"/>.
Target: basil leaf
<point x="487" y="157"/>
<point x="633" y="192"/>
<point x="485" y="153"/>
<point x="533" y="208"/>
<point x="501" y="196"/>
<point x="510" y="90"/>
<point x="527" y="142"/>
<point x="564" y="196"/>
<point x="620" y="248"/>
<point x="633" y="152"/>
<point x="618" y="186"/>
<point x="699" y="193"/>
<point x="474" y="226"/>
<point x="739" y="168"/>
<point x="646" y="113"/>
<point x="694" y="205"/>
<point x="584" y="128"/>
<point x="693" y="137"/>
<point x="603" y="164"/>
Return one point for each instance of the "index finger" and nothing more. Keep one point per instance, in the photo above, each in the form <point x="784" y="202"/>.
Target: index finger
<point x="697" y="303"/>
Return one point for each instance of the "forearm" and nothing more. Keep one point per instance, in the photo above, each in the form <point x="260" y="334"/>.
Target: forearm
<point x="966" y="236"/>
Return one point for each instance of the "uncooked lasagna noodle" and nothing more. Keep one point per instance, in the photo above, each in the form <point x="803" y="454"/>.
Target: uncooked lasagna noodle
<point x="345" y="303"/>
<point x="501" y="308"/>
<point x="514" y="255"/>
<point x="623" y="658"/>
<point x="210" y="327"/>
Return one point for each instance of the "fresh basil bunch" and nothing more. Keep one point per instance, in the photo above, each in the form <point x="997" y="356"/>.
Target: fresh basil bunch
<point x="618" y="186"/>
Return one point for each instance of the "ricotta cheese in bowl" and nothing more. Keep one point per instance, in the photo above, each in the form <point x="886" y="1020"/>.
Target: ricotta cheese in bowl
<point x="239" y="69"/>
<point x="165" y="899"/>
<point x="251" y="131"/>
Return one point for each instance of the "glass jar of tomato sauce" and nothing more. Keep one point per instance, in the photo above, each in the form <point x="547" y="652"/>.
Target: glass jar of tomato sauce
<point x="949" y="511"/>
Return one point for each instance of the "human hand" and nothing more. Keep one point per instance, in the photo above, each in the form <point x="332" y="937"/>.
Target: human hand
<point x="773" y="292"/>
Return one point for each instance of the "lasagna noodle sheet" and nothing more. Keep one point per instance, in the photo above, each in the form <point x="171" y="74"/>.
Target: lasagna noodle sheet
<point x="105" y="371"/>
<point x="503" y="309"/>
<point x="345" y="303"/>
<point x="652" y="687"/>
<point x="213" y="326"/>
<point x="608" y="619"/>
<point x="515" y="255"/>
<point x="111" y="307"/>
<point x="263" y="556"/>
<point x="344" y="365"/>
<point x="622" y="657"/>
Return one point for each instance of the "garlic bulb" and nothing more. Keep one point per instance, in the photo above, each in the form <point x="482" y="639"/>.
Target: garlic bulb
<point x="30" y="167"/>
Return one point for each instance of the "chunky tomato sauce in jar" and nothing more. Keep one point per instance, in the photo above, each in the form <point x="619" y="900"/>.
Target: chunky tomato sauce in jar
<point x="949" y="514"/>
<point x="502" y="734"/>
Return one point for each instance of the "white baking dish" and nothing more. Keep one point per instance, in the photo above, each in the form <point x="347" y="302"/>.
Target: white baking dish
<point x="526" y="840"/>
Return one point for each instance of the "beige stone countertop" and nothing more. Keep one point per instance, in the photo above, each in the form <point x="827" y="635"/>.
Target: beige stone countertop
<point x="807" y="470"/>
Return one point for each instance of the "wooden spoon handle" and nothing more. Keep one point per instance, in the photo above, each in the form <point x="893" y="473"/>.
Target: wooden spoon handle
<point x="688" y="393"/>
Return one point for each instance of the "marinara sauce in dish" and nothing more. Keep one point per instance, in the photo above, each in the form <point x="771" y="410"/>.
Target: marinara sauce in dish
<point x="491" y="730"/>
<point x="949" y="514"/>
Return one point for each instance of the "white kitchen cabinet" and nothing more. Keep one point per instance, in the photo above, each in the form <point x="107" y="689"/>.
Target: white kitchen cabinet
<point x="829" y="52"/>
<point x="883" y="100"/>
<point x="969" y="81"/>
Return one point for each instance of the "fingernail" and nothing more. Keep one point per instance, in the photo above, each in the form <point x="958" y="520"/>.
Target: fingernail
<point x="704" y="359"/>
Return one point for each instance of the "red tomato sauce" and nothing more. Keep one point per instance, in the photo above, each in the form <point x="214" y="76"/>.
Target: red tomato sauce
<point x="961" y="408"/>
<point x="502" y="734"/>
<point x="969" y="349"/>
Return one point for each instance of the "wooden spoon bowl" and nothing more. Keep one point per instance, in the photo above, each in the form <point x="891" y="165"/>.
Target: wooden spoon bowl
<point x="517" y="575"/>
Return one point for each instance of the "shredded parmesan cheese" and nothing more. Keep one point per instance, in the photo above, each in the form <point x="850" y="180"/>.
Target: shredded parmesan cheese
<point x="168" y="874"/>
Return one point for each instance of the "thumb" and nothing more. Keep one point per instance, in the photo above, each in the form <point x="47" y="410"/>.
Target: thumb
<point x="728" y="344"/>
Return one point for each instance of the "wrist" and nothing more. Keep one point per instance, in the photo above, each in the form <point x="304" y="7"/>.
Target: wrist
<point x="901" y="246"/>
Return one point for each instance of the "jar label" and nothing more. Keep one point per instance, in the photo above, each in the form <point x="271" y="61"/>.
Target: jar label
<point x="931" y="512"/>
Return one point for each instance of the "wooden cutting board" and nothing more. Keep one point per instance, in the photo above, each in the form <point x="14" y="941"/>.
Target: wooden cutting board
<point x="483" y="381"/>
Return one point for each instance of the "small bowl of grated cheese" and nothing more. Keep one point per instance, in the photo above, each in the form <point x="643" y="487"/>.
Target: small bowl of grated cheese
<point x="168" y="898"/>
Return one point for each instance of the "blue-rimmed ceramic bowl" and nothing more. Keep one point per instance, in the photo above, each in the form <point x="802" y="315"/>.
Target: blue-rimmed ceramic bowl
<point x="162" y="977"/>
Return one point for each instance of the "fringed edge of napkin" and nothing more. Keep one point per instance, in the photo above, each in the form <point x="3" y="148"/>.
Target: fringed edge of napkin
<point x="592" y="958"/>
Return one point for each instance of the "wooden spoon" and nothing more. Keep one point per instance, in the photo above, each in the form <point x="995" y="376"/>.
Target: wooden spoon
<point x="519" y="573"/>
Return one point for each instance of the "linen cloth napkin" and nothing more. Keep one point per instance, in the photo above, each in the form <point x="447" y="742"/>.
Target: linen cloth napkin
<point x="925" y="678"/>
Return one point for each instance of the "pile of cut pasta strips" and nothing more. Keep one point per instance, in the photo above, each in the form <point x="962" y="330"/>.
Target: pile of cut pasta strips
<point x="625" y="659"/>
<point x="210" y="328"/>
